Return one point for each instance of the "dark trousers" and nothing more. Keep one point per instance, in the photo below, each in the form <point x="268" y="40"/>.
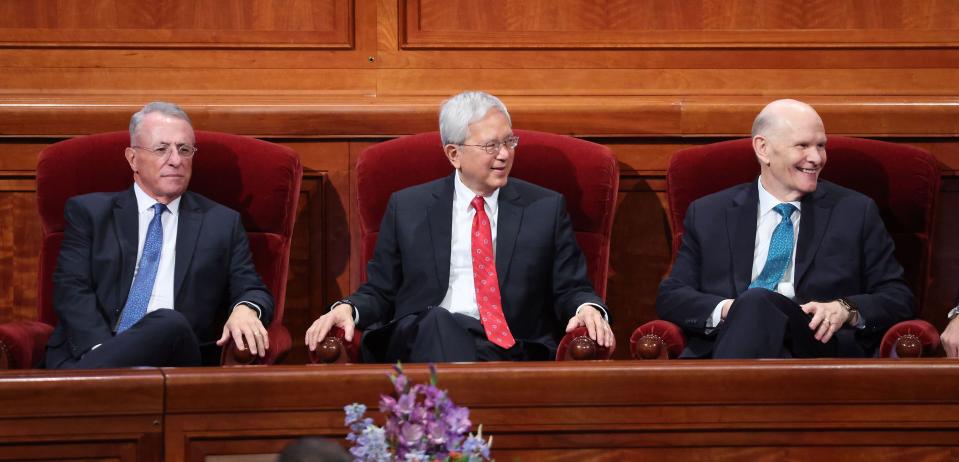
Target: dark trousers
<point x="765" y="324"/>
<point x="162" y="338"/>
<point x="436" y="335"/>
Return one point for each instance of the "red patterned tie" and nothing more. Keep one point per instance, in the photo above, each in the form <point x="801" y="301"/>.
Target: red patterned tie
<point x="485" y="280"/>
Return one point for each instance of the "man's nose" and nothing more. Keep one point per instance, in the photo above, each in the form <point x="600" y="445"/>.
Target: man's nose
<point x="815" y="154"/>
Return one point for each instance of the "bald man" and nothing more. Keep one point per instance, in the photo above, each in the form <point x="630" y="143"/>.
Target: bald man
<point x="788" y="265"/>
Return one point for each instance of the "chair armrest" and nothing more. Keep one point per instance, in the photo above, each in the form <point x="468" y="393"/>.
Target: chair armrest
<point x="280" y="343"/>
<point x="23" y="344"/>
<point x="657" y="340"/>
<point x="335" y="349"/>
<point x="577" y="346"/>
<point x="909" y="339"/>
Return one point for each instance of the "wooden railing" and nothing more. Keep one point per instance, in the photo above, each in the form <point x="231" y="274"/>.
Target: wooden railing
<point x="613" y="410"/>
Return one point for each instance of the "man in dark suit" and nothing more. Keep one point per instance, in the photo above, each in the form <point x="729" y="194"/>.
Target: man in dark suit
<point x="436" y="289"/>
<point x="147" y="276"/>
<point x="788" y="265"/>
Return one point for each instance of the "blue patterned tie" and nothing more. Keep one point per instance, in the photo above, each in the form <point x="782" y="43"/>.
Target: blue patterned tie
<point x="780" y="250"/>
<point x="139" y="297"/>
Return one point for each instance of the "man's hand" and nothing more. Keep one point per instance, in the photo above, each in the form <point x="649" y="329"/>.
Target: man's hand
<point x="950" y="338"/>
<point x="340" y="316"/>
<point x="727" y="304"/>
<point x="827" y="318"/>
<point x="246" y="330"/>
<point x="596" y="325"/>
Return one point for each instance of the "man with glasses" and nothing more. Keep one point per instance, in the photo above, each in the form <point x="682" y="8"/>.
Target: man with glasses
<point x="414" y="311"/>
<point x="146" y="276"/>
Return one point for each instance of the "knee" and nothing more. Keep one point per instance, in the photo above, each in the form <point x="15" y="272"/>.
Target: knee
<point x="753" y="299"/>
<point x="170" y="320"/>
<point x="437" y="315"/>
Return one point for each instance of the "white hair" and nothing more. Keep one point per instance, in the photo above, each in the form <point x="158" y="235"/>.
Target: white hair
<point x="162" y="107"/>
<point x="458" y="112"/>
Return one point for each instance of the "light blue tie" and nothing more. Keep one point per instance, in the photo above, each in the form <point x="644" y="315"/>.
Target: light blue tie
<point x="780" y="250"/>
<point x="139" y="298"/>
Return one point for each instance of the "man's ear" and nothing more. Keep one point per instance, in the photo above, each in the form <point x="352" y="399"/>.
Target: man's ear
<point x="761" y="148"/>
<point x="130" y="154"/>
<point x="452" y="152"/>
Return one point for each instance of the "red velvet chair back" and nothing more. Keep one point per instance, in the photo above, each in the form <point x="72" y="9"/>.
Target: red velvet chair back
<point x="260" y="180"/>
<point x="585" y="173"/>
<point x="903" y="180"/>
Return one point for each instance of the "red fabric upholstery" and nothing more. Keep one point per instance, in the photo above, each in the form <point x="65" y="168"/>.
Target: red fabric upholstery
<point x="563" y="350"/>
<point x="903" y="180"/>
<point x="669" y="334"/>
<point x="927" y="334"/>
<point x="260" y="180"/>
<point x="585" y="173"/>
<point x="22" y="343"/>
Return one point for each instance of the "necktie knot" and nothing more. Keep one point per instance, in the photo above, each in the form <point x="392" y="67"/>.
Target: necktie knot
<point x="785" y="210"/>
<point x="478" y="203"/>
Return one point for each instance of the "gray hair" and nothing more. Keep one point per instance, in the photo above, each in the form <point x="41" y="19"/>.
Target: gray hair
<point x="458" y="112"/>
<point x="162" y="107"/>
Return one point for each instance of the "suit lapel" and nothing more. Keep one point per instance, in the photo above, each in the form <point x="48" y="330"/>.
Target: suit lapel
<point x="440" y="217"/>
<point x="188" y="231"/>
<point x="126" y="221"/>
<point x="508" y="220"/>
<point x="816" y="208"/>
<point x="741" y="231"/>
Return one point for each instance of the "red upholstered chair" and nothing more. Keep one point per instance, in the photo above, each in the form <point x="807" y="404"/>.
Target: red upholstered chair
<point x="261" y="180"/>
<point x="585" y="173"/>
<point x="903" y="180"/>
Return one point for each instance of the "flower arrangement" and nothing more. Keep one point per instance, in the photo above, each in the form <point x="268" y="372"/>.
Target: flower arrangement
<point x="422" y="425"/>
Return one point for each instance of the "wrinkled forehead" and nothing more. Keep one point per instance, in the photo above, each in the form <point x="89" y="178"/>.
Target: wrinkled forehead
<point x="157" y="128"/>
<point x="494" y="126"/>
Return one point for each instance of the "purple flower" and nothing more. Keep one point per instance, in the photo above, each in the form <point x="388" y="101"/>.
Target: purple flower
<point x="422" y="424"/>
<point x="404" y="406"/>
<point x="354" y="412"/>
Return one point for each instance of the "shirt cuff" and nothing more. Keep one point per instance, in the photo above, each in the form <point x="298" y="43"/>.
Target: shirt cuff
<point x="716" y="317"/>
<point x="254" y="306"/>
<point x="598" y="307"/>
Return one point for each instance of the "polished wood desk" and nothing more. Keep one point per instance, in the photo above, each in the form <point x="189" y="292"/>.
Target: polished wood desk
<point x="621" y="410"/>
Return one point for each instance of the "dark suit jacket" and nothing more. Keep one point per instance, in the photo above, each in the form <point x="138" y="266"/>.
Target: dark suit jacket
<point x="541" y="270"/>
<point x="843" y="250"/>
<point x="213" y="270"/>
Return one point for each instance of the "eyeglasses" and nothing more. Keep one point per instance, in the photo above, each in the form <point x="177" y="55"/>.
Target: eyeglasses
<point x="493" y="147"/>
<point x="183" y="150"/>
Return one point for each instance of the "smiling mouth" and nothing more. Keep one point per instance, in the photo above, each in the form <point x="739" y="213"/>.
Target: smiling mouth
<point x="808" y="170"/>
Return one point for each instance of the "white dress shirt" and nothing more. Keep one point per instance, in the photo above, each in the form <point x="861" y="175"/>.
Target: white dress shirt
<point x="162" y="296"/>
<point x="461" y="294"/>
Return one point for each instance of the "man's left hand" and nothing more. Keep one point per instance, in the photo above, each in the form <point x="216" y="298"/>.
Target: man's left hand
<point x="246" y="330"/>
<point x="596" y="325"/>
<point x="827" y="318"/>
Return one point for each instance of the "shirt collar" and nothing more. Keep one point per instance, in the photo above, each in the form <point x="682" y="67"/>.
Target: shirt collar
<point x="145" y="202"/>
<point x="463" y="196"/>
<point x="767" y="201"/>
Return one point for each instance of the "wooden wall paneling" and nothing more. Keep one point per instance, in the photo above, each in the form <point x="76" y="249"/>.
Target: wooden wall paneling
<point x="608" y="82"/>
<point x="320" y="255"/>
<point x="387" y="116"/>
<point x="466" y="24"/>
<point x="19" y="229"/>
<point x="179" y="24"/>
<point x="76" y="415"/>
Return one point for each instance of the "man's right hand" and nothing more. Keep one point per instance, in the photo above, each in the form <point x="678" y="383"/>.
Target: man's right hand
<point x="340" y="316"/>
<point x="950" y="338"/>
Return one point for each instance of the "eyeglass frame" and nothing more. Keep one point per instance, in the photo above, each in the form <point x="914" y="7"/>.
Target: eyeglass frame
<point x="166" y="151"/>
<point x="493" y="147"/>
